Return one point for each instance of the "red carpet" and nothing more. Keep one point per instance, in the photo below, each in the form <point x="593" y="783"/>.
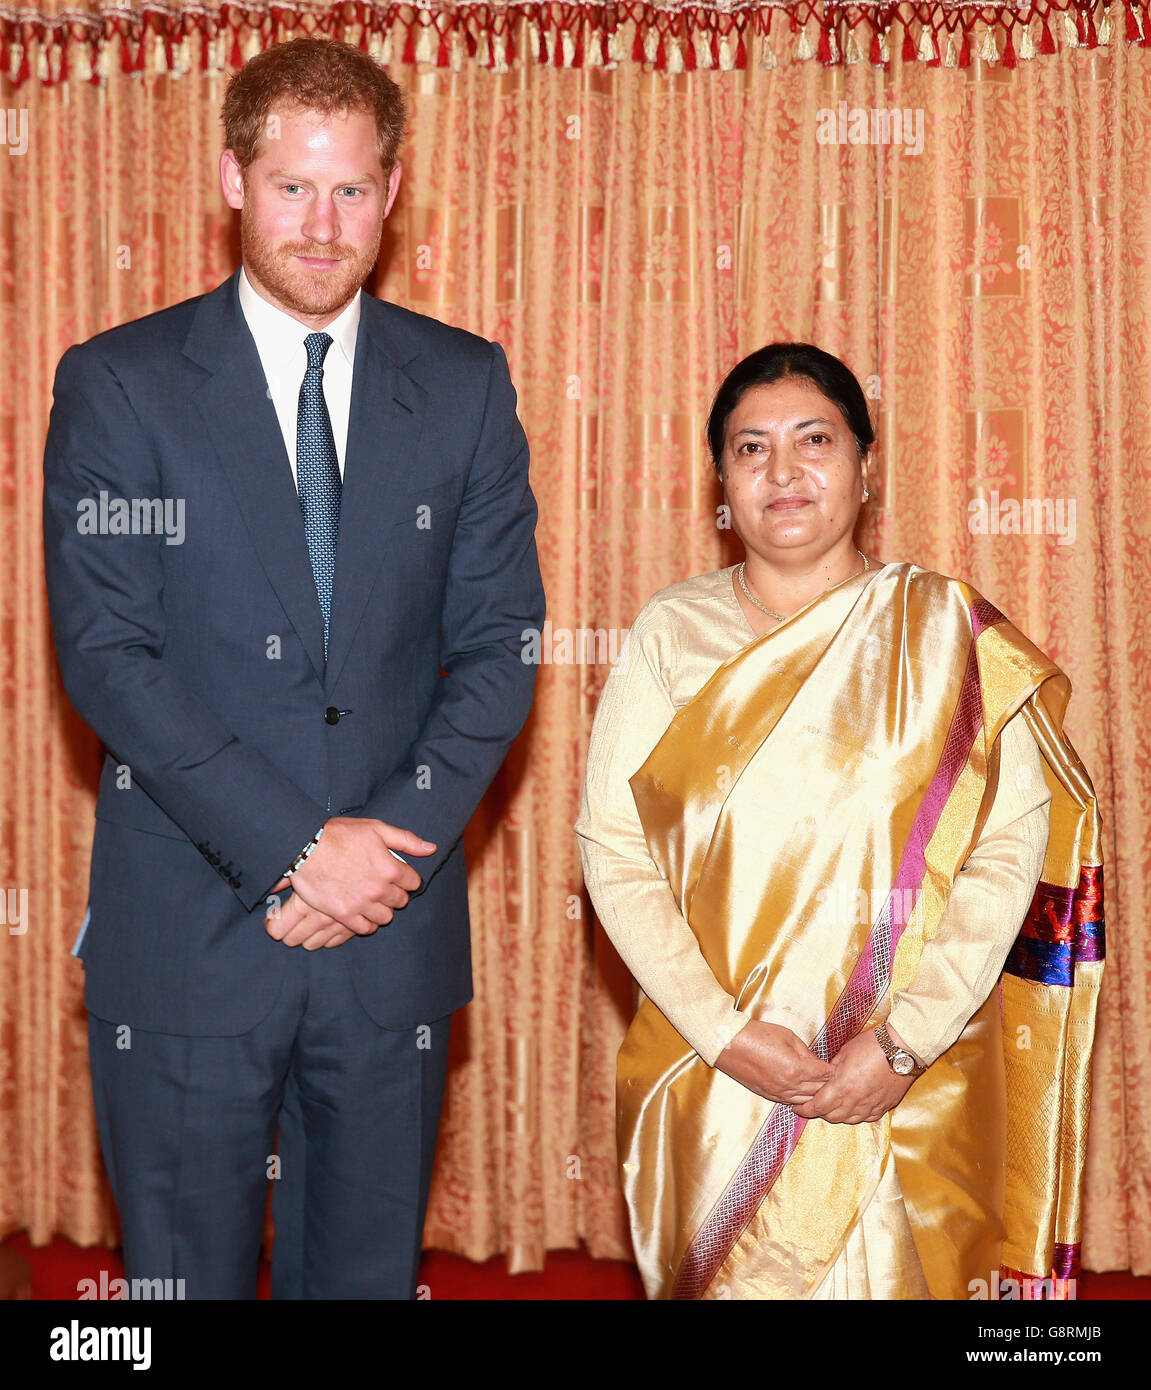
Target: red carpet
<point x="59" y="1268"/>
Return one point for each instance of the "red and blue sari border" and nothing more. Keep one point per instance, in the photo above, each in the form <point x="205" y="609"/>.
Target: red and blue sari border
<point x="1063" y="927"/>
<point x="1059" y="1284"/>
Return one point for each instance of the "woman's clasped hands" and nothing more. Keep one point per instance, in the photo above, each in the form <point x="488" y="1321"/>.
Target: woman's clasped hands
<point x="857" y="1086"/>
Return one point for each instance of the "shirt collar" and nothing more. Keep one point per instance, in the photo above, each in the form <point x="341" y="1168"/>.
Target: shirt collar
<point x="279" y="336"/>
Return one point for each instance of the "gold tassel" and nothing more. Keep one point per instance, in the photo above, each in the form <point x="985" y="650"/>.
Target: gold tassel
<point x="1070" y="30"/>
<point x="853" y="52"/>
<point x="182" y="57"/>
<point x="988" y="51"/>
<point x="767" y="58"/>
<point x="104" y="61"/>
<point x="674" y="56"/>
<point x="950" y="57"/>
<point x="499" y="54"/>
<point x="1027" y="47"/>
<point x="617" y="47"/>
<point x="42" y="71"/>
<point x="926" y="44"/>
<point x="456" y="51"/>
<point x="483" y="50"/>
<point x="425" y="45"/>
<point x="82" y="66"/>
<point x="1104" y="30"/>
<point x="832" y="46"/>
<point x="805" y="48"/>
<point x="884" y="46"/>
<point x="726" y="53"/>
<point x="387" y="49"/>
<point x="650" y="45"/>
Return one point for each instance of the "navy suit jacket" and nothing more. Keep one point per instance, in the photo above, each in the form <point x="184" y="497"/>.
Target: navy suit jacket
<point x="200" y="664"/>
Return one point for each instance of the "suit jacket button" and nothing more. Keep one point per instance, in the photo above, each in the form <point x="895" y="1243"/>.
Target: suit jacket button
<point x="332" y="715"/>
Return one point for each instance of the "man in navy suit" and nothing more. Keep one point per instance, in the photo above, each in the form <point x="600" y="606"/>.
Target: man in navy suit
<point x="290" y="559"/>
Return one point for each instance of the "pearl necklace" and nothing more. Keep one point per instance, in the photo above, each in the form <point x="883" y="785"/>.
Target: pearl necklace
<point x="771" y="613"/>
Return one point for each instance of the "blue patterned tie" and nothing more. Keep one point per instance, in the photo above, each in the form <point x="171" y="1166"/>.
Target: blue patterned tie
<point x="318" y="474"/>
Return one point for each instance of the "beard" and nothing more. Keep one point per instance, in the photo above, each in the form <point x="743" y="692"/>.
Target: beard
<point x="297" y="289"/>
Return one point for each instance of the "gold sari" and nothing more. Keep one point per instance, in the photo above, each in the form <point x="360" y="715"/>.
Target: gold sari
<point x="877" y="710"/>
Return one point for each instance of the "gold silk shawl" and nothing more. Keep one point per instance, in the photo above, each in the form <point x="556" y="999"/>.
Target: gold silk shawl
<point x="850" y="755"/>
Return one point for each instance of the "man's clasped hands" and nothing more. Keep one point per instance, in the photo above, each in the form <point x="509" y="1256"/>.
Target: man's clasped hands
<point x="350" y="885"/>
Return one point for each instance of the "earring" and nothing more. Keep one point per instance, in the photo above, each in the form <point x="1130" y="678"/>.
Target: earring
<point x="866" y="495"/>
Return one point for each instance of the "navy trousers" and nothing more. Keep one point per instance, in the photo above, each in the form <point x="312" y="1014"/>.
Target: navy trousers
<point x="340" y="1114"/>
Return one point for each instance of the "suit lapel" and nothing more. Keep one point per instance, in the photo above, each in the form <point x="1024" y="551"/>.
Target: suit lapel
<point x="241" y="422"/>
<point x="384" y="424"/>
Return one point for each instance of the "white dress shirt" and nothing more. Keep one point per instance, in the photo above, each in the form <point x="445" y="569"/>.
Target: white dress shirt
<point x="280" y="343"/>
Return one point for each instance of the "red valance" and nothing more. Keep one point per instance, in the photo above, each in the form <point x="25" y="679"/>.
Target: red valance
<point x="154" y="37"/>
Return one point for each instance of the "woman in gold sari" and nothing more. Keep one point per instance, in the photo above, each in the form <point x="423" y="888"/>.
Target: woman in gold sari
<point x="832" y="825"/>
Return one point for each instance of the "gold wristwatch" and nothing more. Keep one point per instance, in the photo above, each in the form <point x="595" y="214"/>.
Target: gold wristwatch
<point x="902" y="1063"/>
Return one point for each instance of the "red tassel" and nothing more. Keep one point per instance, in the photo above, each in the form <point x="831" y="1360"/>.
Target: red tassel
<point x="715" y="50"/>
<point x="1046" y="42"/>
<point x="965" y="51"/>
<point x="510" y="46"/>
<point x="470" y="43"/>
<point x="637" y="49"/>
<point x="409" y="56"/>
<point x="64" y="69"/>
<point x="1092" y="36"/>
<point x="22" y="75"/>
<point x="443" y="56"/>
<point x="661" y="55"/>
<point x="604" y="50"/>
<point x="577" y="58"/>
<point x="1008" y="59"/>
<point x="689" y="60"/>
<point x="876" y="55"/>
<point x="823" y="47"/>
<point x="935" y="60"/>
<point x="543" y="46"/>
<point x="236" y="57"/>
<point x="909" y="49"/>
<point x="741" y="53"/>
<point x="1132" y="26"/>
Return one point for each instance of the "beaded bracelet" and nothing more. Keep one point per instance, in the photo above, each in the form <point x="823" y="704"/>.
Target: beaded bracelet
<point x="308" y="849"/>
